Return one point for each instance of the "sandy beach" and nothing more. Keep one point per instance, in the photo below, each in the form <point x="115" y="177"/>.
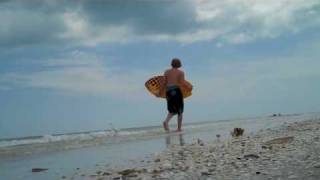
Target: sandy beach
<point x="290" y="151"/>
<point x="272" y="147"/>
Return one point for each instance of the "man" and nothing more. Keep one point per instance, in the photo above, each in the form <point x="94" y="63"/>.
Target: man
<point x="174" y="77"/>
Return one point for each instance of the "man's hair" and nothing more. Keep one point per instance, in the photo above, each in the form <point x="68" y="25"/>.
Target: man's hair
<point x="176" y="63"/>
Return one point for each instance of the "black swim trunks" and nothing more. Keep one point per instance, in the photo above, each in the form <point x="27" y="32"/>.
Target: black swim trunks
<point x="174" y="100"/>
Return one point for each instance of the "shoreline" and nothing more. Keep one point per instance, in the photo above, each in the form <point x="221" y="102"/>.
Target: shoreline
<point x="290" y="151"/>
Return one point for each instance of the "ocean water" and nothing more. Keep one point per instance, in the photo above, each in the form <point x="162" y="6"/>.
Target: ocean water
<point x="74" y="154"/>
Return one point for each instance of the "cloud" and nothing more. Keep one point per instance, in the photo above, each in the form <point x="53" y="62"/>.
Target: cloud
<point x="80" y="73"/>
<point x="144" y="17"/>
<point x="83" y="23"/>
<point x="230" y="81"/>
<point x="245" y="21"/>
<point x="24" y="27"/>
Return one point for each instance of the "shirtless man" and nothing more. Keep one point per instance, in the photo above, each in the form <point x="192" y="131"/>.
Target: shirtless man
<point x="174" y="77"/>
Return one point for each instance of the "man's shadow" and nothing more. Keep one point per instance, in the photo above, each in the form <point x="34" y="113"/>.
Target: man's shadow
<point x="171" y="139"/>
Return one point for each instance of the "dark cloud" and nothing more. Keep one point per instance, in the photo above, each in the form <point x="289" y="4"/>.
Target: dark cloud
<point x="169" y="17"/>
<point x="26" y="28"/>
<point x="27" y="24"/>
<point x="89" y="22"/>
<point x="39" y="22"/>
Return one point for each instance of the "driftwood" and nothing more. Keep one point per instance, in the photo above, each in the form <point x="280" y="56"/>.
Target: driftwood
<point x="39" y="169"/>
<point x="281" y="140"/>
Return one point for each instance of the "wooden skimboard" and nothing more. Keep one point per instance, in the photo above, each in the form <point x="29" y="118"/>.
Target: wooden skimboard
<point x="156" y="84"/>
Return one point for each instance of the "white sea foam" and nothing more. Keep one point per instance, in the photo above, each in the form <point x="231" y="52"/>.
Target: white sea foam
<point x="86" y="136"/>
<point x="55" y="138"/>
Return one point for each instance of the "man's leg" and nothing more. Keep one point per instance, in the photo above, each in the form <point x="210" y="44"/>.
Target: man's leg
<point x="179" y="121"/>
<point x="166" y="122"/>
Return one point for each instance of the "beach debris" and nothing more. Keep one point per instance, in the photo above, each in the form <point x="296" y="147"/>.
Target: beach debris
<point x="275" y="115"/>
<point x="157" y="160"/>
<point x="218" y="135"/>
<point x="237" y="132"/>
<point x="281" y="140"/>
<point x="316" y="165"/>
<point x="200" y="142"/>
<point x="156" y="170"/>
<point x="247" y="156"/>
<point x="292" y="177"/>
<point x="167" y="165"/>
<point x="106" y="174"/>
<point x="63" y="177"/>
<point x="129" y="172"/>
<point x="211" y="150"/>
<point x="39" y="169"/>
<point x="117" y="178"/>
<point x="205" y="172"/>
<point x="181" y="153"/>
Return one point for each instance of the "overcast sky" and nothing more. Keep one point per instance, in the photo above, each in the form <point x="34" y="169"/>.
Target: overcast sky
<point x="80" y="65"/>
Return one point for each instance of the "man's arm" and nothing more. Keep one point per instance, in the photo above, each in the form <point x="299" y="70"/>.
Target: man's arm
<point x="164" y="85"/>
<point x="165" y="78"/>
<point x="182" y="80"/>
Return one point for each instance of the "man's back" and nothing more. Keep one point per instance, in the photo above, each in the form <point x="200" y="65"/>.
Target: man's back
<point x="174" y="76"/>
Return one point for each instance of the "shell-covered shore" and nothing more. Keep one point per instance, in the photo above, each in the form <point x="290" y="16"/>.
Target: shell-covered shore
<point x="291" y="151"/>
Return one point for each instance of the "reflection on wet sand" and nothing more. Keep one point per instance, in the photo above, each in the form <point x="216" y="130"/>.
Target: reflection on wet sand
<point x="175" y="139"/>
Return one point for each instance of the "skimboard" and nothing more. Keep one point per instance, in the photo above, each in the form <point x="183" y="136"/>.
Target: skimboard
<point x="156" y="86"/>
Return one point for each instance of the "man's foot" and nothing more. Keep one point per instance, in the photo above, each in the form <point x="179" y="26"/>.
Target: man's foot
<point x="165" y="126"/>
